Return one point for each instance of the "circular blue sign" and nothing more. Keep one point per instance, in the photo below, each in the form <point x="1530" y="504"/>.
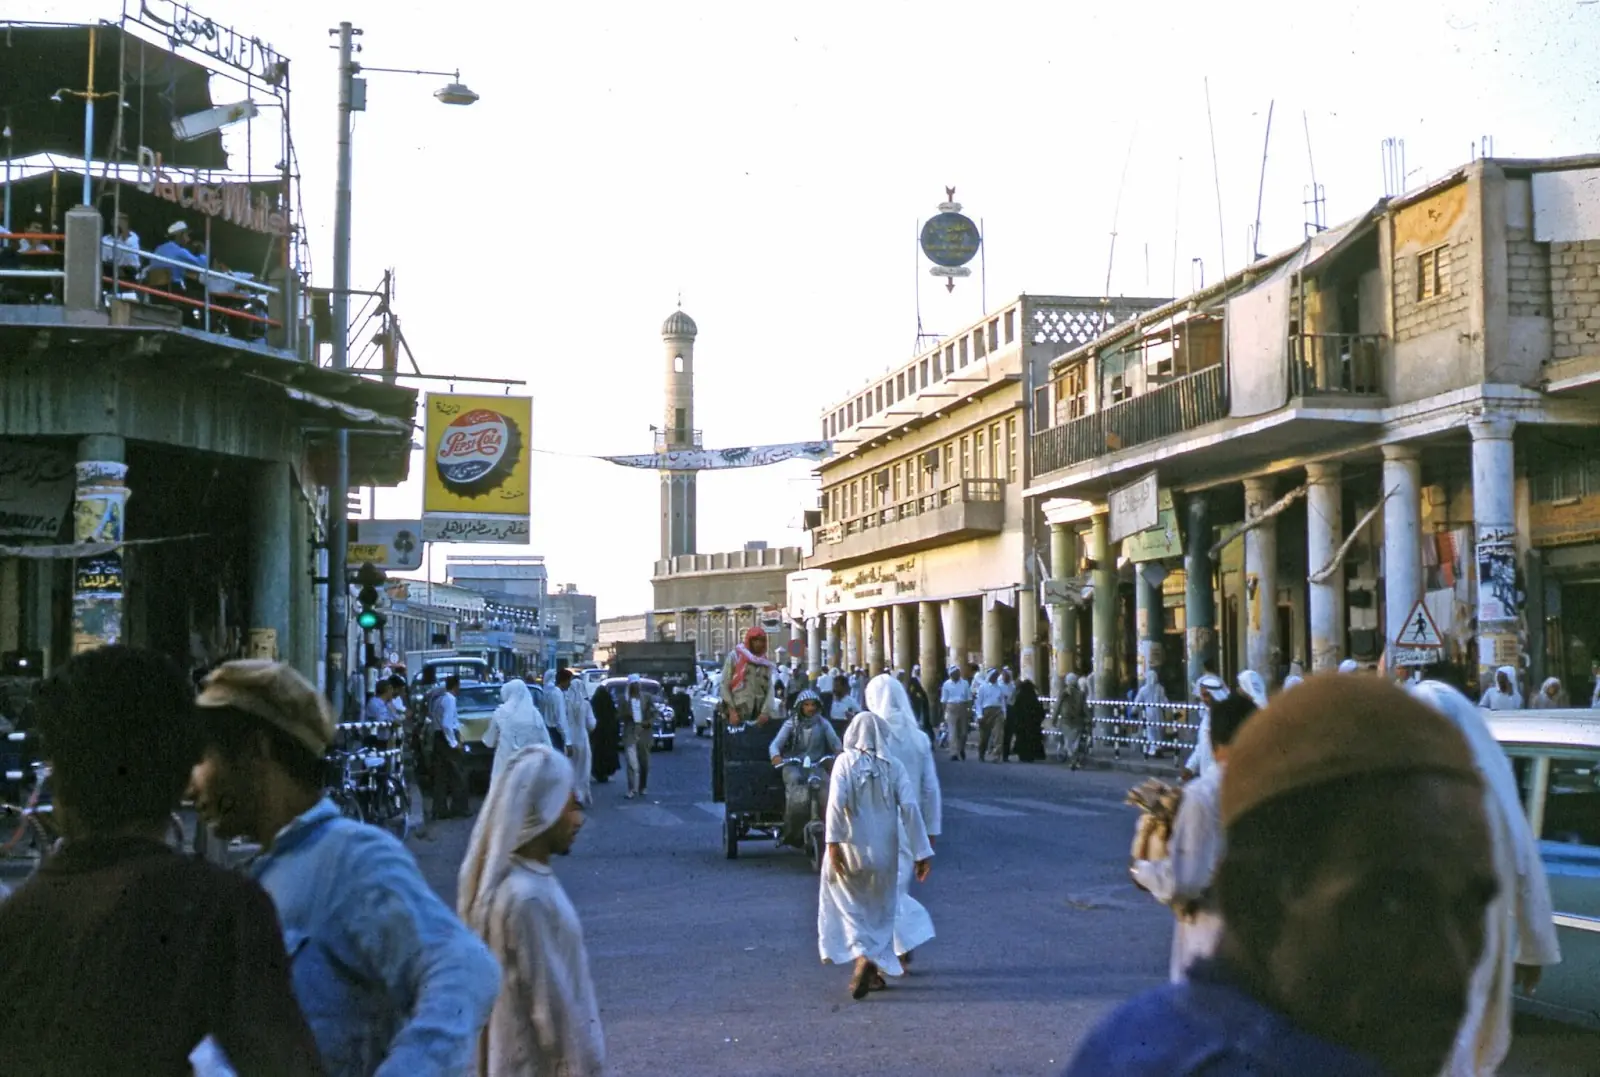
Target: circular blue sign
<point x="950" y="239"/>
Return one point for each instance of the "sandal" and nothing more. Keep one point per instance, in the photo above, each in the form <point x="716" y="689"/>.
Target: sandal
<point x="861" y="980"/>
<point x="877" y="982"/>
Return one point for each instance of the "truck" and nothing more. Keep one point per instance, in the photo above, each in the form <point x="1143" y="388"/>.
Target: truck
<point x="658" y="659"/>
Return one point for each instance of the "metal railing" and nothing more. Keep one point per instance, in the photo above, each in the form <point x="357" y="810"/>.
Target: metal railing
<point x="1335" y="363"/>
<point x="1184" y="404"/>
<point x="677" y="439"/>
<point x="967" y="490"/>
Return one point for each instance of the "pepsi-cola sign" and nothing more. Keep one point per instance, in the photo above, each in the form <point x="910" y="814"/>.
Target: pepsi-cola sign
<point x="479" y="474"/>
<point x="475" y="452"/>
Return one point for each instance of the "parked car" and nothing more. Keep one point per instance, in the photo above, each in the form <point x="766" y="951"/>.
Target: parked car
<point x="704" y="708"/>
<point x="654" y="699"/>
<point x="470" y="670"/>
<point x="592" y="680"/>
<point x="1556" y="757"/>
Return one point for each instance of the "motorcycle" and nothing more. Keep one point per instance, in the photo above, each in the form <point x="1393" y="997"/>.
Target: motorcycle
<point x="817" y="775"/>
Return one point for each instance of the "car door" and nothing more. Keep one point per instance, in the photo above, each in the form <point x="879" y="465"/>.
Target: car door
<point x="1561" y="789"/>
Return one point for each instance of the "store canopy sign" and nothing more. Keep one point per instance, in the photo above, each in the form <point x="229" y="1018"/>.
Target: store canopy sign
<point x="1160" y="542"/>
<point x="1134" y="507"/>
<point x="242" y="204"/>
<point x="35" y="490"/>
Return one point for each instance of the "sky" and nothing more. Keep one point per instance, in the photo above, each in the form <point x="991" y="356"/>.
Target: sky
<point x="771" y="163"/>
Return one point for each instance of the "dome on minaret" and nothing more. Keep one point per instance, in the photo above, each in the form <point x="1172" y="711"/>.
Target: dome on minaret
<point x="679" y="324"/>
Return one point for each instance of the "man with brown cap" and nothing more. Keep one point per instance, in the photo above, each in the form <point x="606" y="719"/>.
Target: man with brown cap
<point x="1352" y="894"/>
<point x="390" y="980"/>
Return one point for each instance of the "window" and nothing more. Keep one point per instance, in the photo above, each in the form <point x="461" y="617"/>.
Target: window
<point x="677" y="364"/>
<point x="1119" y="389"/>
<point x="879" y="396"/>
<point x="982" y="457"/>
<point x="1562" y="792"/>
<point x="1072" y="393"/>
<point x="850" y="414"/>
<point x="978" y="350"/>
<point x="950" y="462"/>
<point x="680" y="424"/>
<point x="966" y="457"/>
<point x="900" y="386"/>
<point x="994" y="334"/>
<point x="1433" y="273"/>
<point x="925" y="362"/>
<point x="950" y="358"/>
<point x="997" y="449"/>
<point x="1011" y="450"/>
<point x="963" y="351"/>
<point x="1011" y="325"/>
<point x="899" y="482"/>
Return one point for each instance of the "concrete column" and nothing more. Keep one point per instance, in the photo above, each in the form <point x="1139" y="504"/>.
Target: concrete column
<point x="1494" y="512"/>
<point x="814" y="658"/>
<point x="852" y="641"/>
<point x="797" y="639"/>
<point x="1324" y="533"/>
<point x="1063" y="617"/>
<point x="1104" y="677"/>
<point x="905" y="637"/>
<point x="1402" y="537"/>
<point x="1199" y="599"/>
<point x="992" y="635"/>
<point x="1027" y="635"/>
<point x="833" y="631"/>
<point x="873" y="619"/>
<point x="271" y="548"/>
<point x="932" y="655"/>
<point x="1147" y="615"/>
<point x="10" y="604"/>
<point x="955" y="631"/>
<point x="1261" y="578"/>
<point x="100" y="515"/>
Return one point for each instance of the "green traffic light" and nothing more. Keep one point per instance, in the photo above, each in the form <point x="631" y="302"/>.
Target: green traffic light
<point x="367" y="619"/>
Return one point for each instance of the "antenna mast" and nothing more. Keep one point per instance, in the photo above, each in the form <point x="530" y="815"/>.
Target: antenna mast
<point x="1116" y="212"/>
<point x="1316" y="202"/>
<point x="1261" y="188"/>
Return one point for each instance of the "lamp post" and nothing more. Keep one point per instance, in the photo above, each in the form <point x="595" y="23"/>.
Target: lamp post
<point x="352" y="98"/>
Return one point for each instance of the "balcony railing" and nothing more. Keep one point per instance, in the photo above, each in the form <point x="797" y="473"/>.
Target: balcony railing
<point x="1189" y="402"/>
<point x="967" y="490"/>
<point x="1335" y="363"/>
<point x="677" y="439"/>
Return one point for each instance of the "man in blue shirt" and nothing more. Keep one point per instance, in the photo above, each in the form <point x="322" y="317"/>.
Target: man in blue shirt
<point x="391" y="982"/>
<point x="1352" y="894"/>
<point x="176" y="249"/>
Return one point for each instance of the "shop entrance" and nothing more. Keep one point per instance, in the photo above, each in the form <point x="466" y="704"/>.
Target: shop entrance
<point x="1572" y="640"/>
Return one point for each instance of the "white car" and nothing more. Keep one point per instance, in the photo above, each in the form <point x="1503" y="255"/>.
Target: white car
<point x="592" y="679"/>
<point x="703" y="706"/>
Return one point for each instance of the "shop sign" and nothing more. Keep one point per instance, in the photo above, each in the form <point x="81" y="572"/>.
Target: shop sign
<point x="1161" y="542"/>
<point x="35" y="490"/>
<point x="872" y="582"/>
<point x="385" y="544"/>
<point x="236" y="203"/>
<point x="476" y="483"/>
<point x="1135" y="507"/>
<point x="1564" y="523"/>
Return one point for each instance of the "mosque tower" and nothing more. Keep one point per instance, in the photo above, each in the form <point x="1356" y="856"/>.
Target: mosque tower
<point x="678" y="432"/>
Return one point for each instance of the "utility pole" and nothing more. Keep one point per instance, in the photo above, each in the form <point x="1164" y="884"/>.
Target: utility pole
<point x="339" y="489"/>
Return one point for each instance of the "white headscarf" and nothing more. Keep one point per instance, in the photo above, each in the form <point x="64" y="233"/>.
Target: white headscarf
<point x="1291" y="680"/>
<point x="524" y="802"/>
<point x="1213" y="685"/>
<point x="516" y="702"/>
<point x="1251" y="684"/>
<point x="887" y="698"/>
<point x="1349" y="665"/>
<point x="866" y="757"/>
<point x="1511" y="675"/>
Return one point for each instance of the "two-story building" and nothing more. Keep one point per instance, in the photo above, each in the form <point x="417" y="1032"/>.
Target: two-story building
<point x="166" y="436"/>
<point x="922" y="553"/>
<point x="1397" y="416"/>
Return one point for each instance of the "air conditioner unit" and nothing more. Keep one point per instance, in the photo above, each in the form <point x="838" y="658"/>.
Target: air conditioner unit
<point x="930" y="460"/>
<point x="881" y="479"/>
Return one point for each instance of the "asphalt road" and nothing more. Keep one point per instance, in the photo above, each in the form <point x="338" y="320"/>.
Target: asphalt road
<point x="707" y="966"/>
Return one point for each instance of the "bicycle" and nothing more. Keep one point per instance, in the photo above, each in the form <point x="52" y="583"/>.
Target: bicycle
<point x="36" y="833"/>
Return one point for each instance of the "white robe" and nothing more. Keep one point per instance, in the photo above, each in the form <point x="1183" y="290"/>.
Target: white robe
<point x="909" y="746"/>
<point x="1193" y="853"/>
<point x="856" y="909"/>
<point x="580" y="720"/>
<point x="1518" y="925"/>
<point x="545" y="1022"/>
<point x="516" y="725"/>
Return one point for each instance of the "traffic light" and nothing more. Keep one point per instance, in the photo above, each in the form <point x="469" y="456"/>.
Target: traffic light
<point x="370" y="579"/>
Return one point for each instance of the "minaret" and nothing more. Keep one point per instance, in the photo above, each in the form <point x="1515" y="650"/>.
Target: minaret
<point x="678" y="432"/>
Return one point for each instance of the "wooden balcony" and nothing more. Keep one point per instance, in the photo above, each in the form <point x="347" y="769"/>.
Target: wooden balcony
<point x="965" y="509"/>
<point x="1189" y="402"/>
<point x="1321" y="363"/>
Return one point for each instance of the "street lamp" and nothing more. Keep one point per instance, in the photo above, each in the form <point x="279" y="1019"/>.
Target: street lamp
<point x="352" y="98"/>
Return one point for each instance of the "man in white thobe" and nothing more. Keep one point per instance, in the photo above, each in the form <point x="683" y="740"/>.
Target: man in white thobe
<point x="1182" y="879"/>
<point x="1151" y="695"/>
<point x="1519" y="932"/>
<point x="553" y="705"/>
<point x="1211" y="691"/>
<point x="870" y="802"/>
<point x="909" y="746"/>
<point x="545" y="1020"/>
<point x="580" y="720"/>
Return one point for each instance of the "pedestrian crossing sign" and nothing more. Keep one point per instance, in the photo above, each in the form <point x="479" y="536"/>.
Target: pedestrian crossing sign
<point x="1419" y="630"/>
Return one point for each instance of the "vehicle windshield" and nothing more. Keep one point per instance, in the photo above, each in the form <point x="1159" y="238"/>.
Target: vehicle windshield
<point x="478" y="697"/>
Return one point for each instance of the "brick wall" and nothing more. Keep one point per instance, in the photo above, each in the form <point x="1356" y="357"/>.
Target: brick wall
<point x="1528" y="275"/>
<point x="1415" y="318"/>
<point x="1575" y="298"/>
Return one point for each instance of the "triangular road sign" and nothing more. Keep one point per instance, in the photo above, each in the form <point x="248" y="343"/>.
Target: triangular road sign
<point x="1419" y="629"/>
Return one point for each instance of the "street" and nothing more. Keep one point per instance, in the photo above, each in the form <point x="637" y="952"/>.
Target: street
<point x="709" y="966"/>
